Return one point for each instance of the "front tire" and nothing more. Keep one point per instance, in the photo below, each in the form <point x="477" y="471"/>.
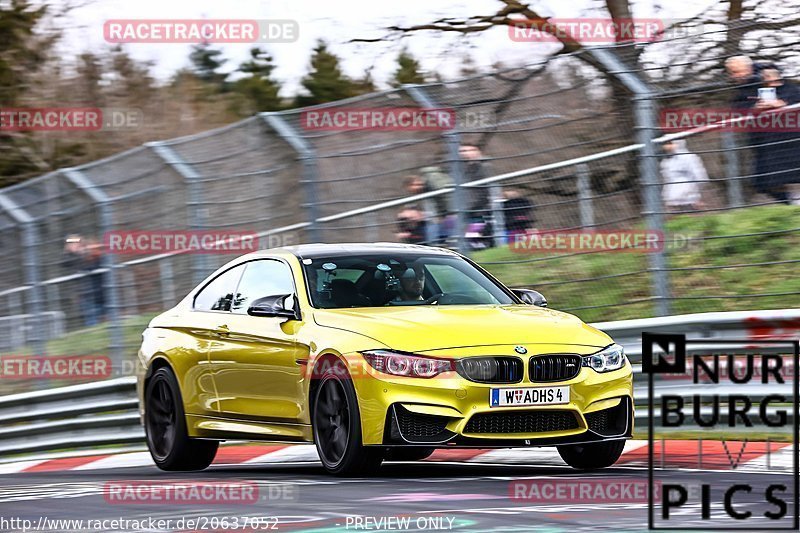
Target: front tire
<point x="593" y="455"/>
<point x="165" y="427"/>
<point x="337" y="427"/>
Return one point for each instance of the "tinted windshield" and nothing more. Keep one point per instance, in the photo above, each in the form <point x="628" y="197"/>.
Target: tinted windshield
<point x="398" y="279"/>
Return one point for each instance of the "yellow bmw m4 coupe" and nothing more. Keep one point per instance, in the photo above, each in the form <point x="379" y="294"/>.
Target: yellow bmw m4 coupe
<point x="377" y="352"/>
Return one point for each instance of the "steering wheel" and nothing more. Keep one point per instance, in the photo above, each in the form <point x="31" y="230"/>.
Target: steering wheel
<point x="432" y="299"/>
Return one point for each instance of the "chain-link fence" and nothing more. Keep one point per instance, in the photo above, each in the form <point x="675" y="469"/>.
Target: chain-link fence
<point x="572" y="145"/>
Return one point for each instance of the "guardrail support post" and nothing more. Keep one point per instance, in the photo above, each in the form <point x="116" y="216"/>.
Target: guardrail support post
<point x="197" y="213"/>
<point x="646" y="126"/>
<point x="585" y="196"/>
<point x="729" y="145"/>
<point x="308" y="159"/>
<point x="452" y="139"/>
<point x="30" y="239"/>
<point x="167" y="283"/>
<point x="110" y="285"/>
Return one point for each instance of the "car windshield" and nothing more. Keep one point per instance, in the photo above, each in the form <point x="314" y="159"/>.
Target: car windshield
<point x="397" y="279"/>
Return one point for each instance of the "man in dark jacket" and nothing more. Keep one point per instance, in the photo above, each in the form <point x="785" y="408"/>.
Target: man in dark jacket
<point x="777" y="152"/>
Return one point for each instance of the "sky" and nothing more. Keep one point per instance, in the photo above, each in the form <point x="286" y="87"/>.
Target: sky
<point x="337" y="22"/>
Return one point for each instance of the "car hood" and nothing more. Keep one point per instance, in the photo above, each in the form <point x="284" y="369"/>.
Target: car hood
<point x="424" y="328"/>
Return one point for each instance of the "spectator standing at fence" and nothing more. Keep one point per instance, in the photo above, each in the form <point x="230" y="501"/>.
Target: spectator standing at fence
<point x="777" y="152"/>
<point x="435" y="178"/>
<point x="426" y="208"/>
<point x="773" y="162"/>
<point x="518" y="212"/>
<point x="742" y="71"/>
<point x="411" y="226"/>
<point x="683" y="175"/>
<point x="83" y="256"/>
<point x="482" y="200"/>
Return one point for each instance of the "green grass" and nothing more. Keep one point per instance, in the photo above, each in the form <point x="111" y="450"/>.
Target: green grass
<point x="625" y="297"/>
<point x="94" y="340"/>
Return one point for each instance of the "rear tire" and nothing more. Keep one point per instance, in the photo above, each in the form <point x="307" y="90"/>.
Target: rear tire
<point x="593" y="455"/>
<point x="337" y="427"/>
<point x="165" y="427"/>
<point x="411" y="453"/>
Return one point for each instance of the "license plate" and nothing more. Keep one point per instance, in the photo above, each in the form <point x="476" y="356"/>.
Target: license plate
<point x="529" y="396"/>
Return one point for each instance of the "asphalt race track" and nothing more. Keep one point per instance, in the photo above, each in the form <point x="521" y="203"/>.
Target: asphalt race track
<point x="432" y="495"/>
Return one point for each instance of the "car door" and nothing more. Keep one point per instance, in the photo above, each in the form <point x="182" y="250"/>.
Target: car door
<point x="255" y="367"/>
<point x="210" y="309"/>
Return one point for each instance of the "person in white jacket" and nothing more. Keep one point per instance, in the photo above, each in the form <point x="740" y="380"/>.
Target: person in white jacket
<point x="683" y="175"/>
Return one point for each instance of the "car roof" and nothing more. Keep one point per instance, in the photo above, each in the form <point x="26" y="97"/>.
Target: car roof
<point x="313" y="251"/>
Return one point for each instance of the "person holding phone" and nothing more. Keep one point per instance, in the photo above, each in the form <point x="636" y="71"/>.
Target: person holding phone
<point x="777" y="160"/>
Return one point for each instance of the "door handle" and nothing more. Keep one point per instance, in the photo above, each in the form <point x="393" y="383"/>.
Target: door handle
<point x="222" y="330"/>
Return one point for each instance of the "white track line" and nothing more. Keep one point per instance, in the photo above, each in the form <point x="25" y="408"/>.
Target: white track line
<point x="123" y="460"/>
<point x="13" y="468"/>
<point x="290" y="454"/>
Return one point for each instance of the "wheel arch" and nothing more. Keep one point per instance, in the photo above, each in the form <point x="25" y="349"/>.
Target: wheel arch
<point x="315" y="371"/>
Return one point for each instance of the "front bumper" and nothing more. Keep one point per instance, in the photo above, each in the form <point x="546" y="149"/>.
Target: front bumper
<point x="449" y="410"/>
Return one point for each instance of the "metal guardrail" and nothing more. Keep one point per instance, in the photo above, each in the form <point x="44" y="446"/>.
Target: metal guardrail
<point x="78" y="416"/>
<point x="105" y="413"/>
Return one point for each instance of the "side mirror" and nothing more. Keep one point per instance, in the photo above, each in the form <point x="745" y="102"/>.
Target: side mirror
<point x="274" y="306"/>
<point x="531" y="297"/>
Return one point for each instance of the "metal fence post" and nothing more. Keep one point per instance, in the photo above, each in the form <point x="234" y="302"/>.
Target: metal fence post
<point x="197" y="214"/>
<point x="729" y="145"/>
<point x="452" y="139"/>
<point x="110" y="286"/>
<point x="308" y="159"/>
<point x="646" y="125"/>
<point x="585" y="205"/>
<point x="651" y="189"/>
<point x="167" y="283"/>
<point x="30" y="239"/>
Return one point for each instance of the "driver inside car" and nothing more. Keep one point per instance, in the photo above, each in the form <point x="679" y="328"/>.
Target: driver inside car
<point x="412" y="285"/>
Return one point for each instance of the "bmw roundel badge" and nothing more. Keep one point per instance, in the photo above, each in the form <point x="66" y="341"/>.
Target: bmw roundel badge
<point x="520" y="350"/>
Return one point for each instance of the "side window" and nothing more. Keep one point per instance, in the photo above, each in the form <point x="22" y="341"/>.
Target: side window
<point x="218" y="295"/>
<point x="262" y="278"/>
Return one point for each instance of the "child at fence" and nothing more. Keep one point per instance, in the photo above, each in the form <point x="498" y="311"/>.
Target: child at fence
<point x="683" y="175"/>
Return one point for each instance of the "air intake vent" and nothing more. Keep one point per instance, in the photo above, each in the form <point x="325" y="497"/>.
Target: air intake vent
<point x="418" y="427"/>
<point x="610" y="422"/>
<point x="522" y="422"/>
<point x="554" y="367"/>
<point x="491" y="369"/>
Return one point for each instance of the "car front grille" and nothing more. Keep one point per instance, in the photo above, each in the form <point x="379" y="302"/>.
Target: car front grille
<point x="416" y="426"/>
<point x="522" y="422"/>
<point x="554" y="367"/>
<point x="491" y="369"/>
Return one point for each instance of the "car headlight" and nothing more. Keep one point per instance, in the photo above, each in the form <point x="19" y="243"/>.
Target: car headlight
<point x="608" y="359"/>
<point x="407" y="365"/>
